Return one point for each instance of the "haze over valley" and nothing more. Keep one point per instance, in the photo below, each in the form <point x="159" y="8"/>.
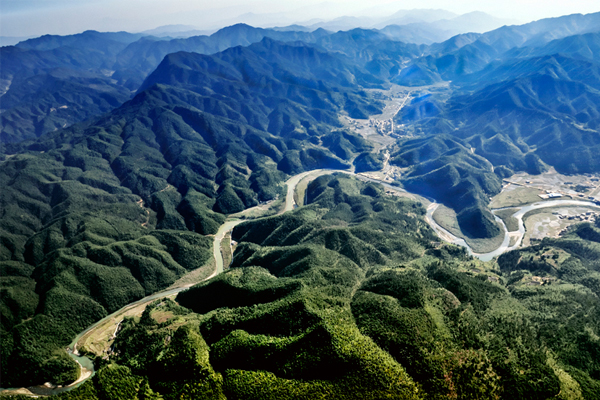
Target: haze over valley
<point x="399" y="203"/>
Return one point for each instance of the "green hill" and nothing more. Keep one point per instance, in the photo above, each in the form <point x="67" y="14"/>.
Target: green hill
<point x="117" y="195"/>
<point x="306" y="318"/>
<point x="115" y="209"/>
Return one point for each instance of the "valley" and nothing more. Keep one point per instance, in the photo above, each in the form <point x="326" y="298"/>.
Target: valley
<point x="521" y="192"/>
<point x="521" y="204"/>
<point x="266" y="213"/>
<point x="97" y="339"/>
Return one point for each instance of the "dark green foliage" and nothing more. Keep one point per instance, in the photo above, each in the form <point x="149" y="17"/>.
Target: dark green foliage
<point x="228" y="202"/>
<point x="86" y="391"/>
<point x="467" y="289"/>
<point x="408" y="287"/>
<point x="43" y="103"/>
<point x="235" y="289"/>
<point x="293" y="320"/>
<point x="265" y="182"/>
<point x="88" y="264"/>
<point x="344" y="143"/>
<point x="197" y="217"/>
<point x="503" y="172"/>
<point x="368" y="162"/>
<point x="184" y="370"/>
<point x="306" y="356"/>
<point x="352" y="222"/>
<point x="478" y="222"/>
<point x="574" y="279"/>
<point x="82" y="205"/>
<point x="72" y="213"/>
<point x="587" y="232"/>
<point x="590" y="388"/>
<point x="18" y="299"/>
<point x="37" y="353"/>
<point x="348" y="297"/>
<point x="116" y="382"/>
<point x="528" y="375"/>
<point x="408" y="335"/>
<point x="188" y="250"/>
<point x="444" y="168"/>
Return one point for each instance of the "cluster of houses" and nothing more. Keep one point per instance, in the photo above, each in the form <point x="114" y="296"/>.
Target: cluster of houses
<point x="588" y="216"/>
<point x="550" y="195"/>
<point x="383" y="127"/>
<point x="574" y="190"/>
<point x="578" y="196"/>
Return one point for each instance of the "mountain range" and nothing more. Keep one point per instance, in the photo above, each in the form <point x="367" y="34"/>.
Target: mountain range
<point x="121" y="154"/>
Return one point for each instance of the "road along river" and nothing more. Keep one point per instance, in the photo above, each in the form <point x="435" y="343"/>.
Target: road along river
<point x="86" y="365"/>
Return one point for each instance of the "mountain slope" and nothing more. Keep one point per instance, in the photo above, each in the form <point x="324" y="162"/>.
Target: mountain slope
<point x="55" y="81"/>
<point x="306" y="317"/>
<point x="115" y="209"/>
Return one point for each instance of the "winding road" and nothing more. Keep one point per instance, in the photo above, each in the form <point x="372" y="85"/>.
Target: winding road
<point x="86" y="365"/>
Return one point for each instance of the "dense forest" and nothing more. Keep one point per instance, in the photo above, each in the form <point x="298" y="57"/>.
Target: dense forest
<point x="327" y="305"/>
<point x="121" y="156"/>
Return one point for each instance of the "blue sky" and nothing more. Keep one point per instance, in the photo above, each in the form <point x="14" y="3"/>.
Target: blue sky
<point x="37" y="17"/>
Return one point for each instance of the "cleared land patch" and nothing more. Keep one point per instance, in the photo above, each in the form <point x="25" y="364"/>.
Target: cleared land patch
<point x="513" y="195"/>
<point x="551" y="222"/>
<point x="226" y="250"/>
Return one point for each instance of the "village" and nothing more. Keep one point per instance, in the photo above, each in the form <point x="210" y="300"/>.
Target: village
<point x="588" y="216"/>
<point x="552" y="185"/>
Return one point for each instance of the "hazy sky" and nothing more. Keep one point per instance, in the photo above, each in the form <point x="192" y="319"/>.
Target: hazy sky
<point x="37" y="17"/>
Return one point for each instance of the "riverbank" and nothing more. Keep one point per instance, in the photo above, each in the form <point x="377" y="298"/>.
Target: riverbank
<point x="109" y="324"/>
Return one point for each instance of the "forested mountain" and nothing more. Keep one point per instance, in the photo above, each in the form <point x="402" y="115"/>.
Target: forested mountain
<point x="83" y="200"/>
<point x="524" y="108"/>
<point x="521" y="101"/>
<point x="52" y="82"/>
<point x="122" y="154"/>
<point x="320" y="302"/>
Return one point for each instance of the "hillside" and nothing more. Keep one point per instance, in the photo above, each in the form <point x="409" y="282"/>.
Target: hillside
<point x="522" y="97"/>
<point x="125" y="201"/>
<point x="433" y="325"/>
<point x="122" y="155"/>
<point x="38" y="74"/>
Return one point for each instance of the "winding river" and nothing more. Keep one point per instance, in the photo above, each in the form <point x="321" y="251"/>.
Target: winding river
<point x="519" y="214"/>
<point x="87" y="367"/>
